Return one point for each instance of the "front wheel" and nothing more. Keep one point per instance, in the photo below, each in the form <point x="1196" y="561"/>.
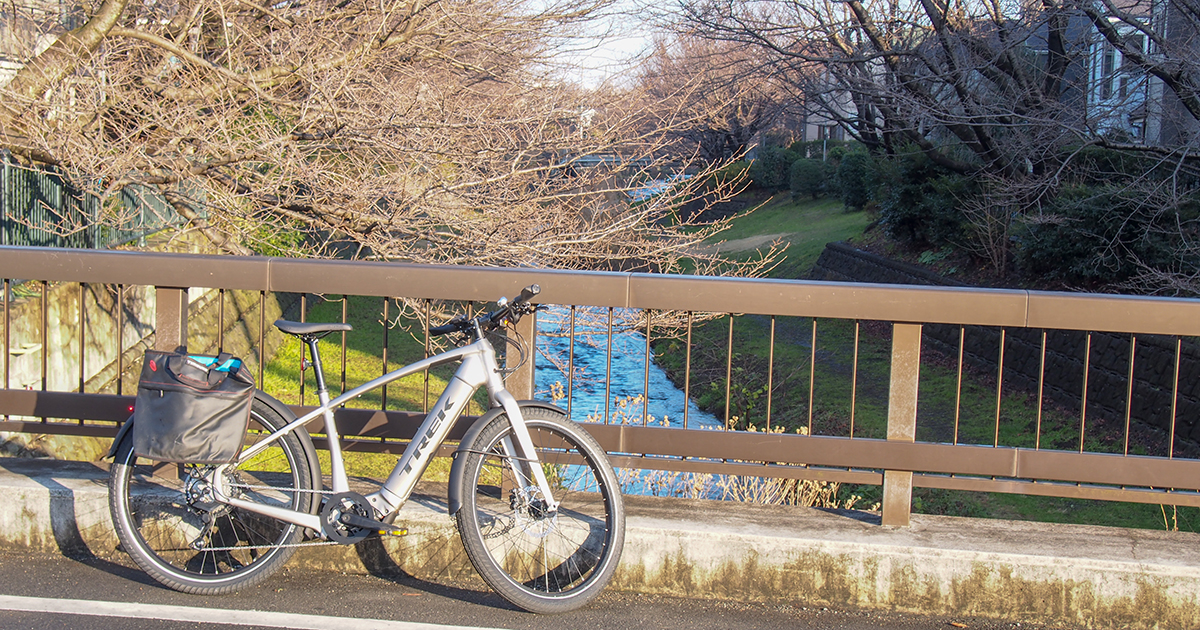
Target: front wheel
<point x="545" y="561"/>
<point x="169" y="523"/>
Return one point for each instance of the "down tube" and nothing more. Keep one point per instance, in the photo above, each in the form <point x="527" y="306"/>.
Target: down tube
<point x="425" y="443"/>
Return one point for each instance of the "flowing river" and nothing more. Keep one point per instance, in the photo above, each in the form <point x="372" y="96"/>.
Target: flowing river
<point x="627" y="382"/>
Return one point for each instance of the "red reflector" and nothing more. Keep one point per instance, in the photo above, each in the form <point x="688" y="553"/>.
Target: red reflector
<point x="153" y="366"/>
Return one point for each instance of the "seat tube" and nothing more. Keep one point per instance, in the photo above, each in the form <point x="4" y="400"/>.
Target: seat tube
<point x="337" y="469"/>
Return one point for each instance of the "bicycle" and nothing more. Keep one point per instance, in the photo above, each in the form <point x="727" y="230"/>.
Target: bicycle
<point x="537" y="504"/>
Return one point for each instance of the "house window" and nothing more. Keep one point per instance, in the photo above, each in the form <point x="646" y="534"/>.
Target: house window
<point x="1108" y="67"/>
<point x="830" y="132"/>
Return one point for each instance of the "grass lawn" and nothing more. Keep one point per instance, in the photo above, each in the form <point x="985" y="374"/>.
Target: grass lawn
<point x="849" y="393"/>
<point x="806" y="226"/>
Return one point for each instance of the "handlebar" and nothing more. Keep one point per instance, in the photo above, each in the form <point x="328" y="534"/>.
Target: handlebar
<point x="509" y="311"/>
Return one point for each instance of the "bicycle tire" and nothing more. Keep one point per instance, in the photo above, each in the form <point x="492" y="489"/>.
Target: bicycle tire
<point x="543" y="563"/>
<point x="156" y="523"/>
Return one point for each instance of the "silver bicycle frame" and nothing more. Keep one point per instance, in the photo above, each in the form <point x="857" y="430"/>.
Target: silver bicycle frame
<point x="478" y="368"/>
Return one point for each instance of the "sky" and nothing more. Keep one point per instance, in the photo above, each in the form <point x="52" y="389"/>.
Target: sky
<point x="610" y="44"/>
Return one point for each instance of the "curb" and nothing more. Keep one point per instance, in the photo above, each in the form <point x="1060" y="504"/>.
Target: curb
<point x="1017" y="571"/>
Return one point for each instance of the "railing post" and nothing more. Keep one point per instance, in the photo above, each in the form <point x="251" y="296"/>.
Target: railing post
<point x="4" y="156"/>
<point x="520" y="383"/>
<point x="902" y="419"/>
<point x="170" y="318"/>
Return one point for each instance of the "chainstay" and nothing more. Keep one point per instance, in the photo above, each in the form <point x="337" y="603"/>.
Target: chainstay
<point x="311" y="543"/>
<point x="279" y="489"/>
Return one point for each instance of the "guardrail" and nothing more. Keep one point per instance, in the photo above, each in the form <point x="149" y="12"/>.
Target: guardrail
<point x="898" y="462"/>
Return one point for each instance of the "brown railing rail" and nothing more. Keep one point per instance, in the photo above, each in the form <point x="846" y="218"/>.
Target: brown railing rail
<point x="898" y="462"/>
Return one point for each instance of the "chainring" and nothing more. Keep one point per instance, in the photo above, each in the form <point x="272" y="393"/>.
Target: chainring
<point x="331" y="512"/>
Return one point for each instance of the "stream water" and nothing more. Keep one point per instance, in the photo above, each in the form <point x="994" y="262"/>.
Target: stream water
<point x="626" y="383"/>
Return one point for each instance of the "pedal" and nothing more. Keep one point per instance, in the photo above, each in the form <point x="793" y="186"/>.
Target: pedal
<point x="394" y="531"/>
<point x="384" y="529"/>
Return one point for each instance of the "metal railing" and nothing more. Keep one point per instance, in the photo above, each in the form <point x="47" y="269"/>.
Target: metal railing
<point x="899" y="454"/>
<point x="38" y="207"/>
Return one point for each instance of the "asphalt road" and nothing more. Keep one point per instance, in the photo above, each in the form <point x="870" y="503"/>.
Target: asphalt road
<point x="41" y="591"/>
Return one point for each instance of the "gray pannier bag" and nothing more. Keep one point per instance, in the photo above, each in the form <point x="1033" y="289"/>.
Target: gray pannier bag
<point x="191" y="409"/>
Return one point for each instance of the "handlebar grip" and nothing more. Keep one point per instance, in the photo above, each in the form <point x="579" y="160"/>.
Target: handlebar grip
<point x="444" y="329"/>
<point x="527" y="293"/>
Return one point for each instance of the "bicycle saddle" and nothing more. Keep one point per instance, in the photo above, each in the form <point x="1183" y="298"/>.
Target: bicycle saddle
<point x="311" y="328"/>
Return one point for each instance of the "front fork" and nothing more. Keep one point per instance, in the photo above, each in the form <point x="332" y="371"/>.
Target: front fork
<point x="525" y="452"/>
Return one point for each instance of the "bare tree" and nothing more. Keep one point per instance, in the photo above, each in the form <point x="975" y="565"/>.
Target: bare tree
<point x="428" y="131"/>
<point x="977" y="90"/>
<point x="728" y="93"/>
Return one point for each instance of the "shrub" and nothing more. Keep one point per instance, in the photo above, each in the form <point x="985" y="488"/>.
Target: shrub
<point x="772" y="168"/>
<point x="920" y="202"/>
<point x="854" y="176"/>
<point x="732" y="174"/>
<point x="808" y="177"/>
<point x="1097" y="235"/>
<point x="825" y="150"/>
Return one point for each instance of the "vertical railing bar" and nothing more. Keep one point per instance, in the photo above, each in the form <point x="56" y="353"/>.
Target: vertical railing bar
<point x="1174" y="398"/>
<point x="903" y="390"/>
<point x="646" y="375"/>
<point x="1087" y="358"/>
<point x="1037" y="440"/>
<point x="812" y="374"/>
<point x="345" y="303"/>
<point x="571" y="363"/>
<point x="384" y="368"/>
<point x="608" y="368"/>
<point x="770" y="371"/>
<point x="7" y="335"/>
<point x="854" y="379"/>
<point x="220" y="321"/>
<point x="7" y="340"/>
<point x="687" y="371"/>
<point x="120" y="338"/>
<point x="262" y="334"/>
<point x="999" y="388"/>
<point x="1129" y="390"/>
<point x="303" y="318"/>
<point x="82" y="320"/>
<point x="45" y="332"/>
<point x="962" y="342"/>
<point x="428" y="314"/>
<point x="531" y="366"/>
<point x="728" y="370"/>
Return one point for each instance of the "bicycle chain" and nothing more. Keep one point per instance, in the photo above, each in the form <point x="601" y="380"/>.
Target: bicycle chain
<point x="256" y="547"/>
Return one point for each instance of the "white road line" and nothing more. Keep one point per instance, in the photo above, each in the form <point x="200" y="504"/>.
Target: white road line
<point x="208" y="615"/>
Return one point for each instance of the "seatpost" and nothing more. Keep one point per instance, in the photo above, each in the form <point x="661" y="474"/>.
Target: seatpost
<point x="316" y="364"/>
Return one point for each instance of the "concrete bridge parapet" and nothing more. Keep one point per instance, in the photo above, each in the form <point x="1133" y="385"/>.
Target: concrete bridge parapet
<point x="1097" y="577"/>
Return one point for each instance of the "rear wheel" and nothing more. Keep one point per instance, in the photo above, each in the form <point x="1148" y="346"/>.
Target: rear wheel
<point x="168" y="522"/>
<point x="541" y="560"/>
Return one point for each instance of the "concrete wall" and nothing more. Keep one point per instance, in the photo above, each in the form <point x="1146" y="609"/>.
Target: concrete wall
<point x="1085" y="576"/>
<point x="102" y="339"/>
